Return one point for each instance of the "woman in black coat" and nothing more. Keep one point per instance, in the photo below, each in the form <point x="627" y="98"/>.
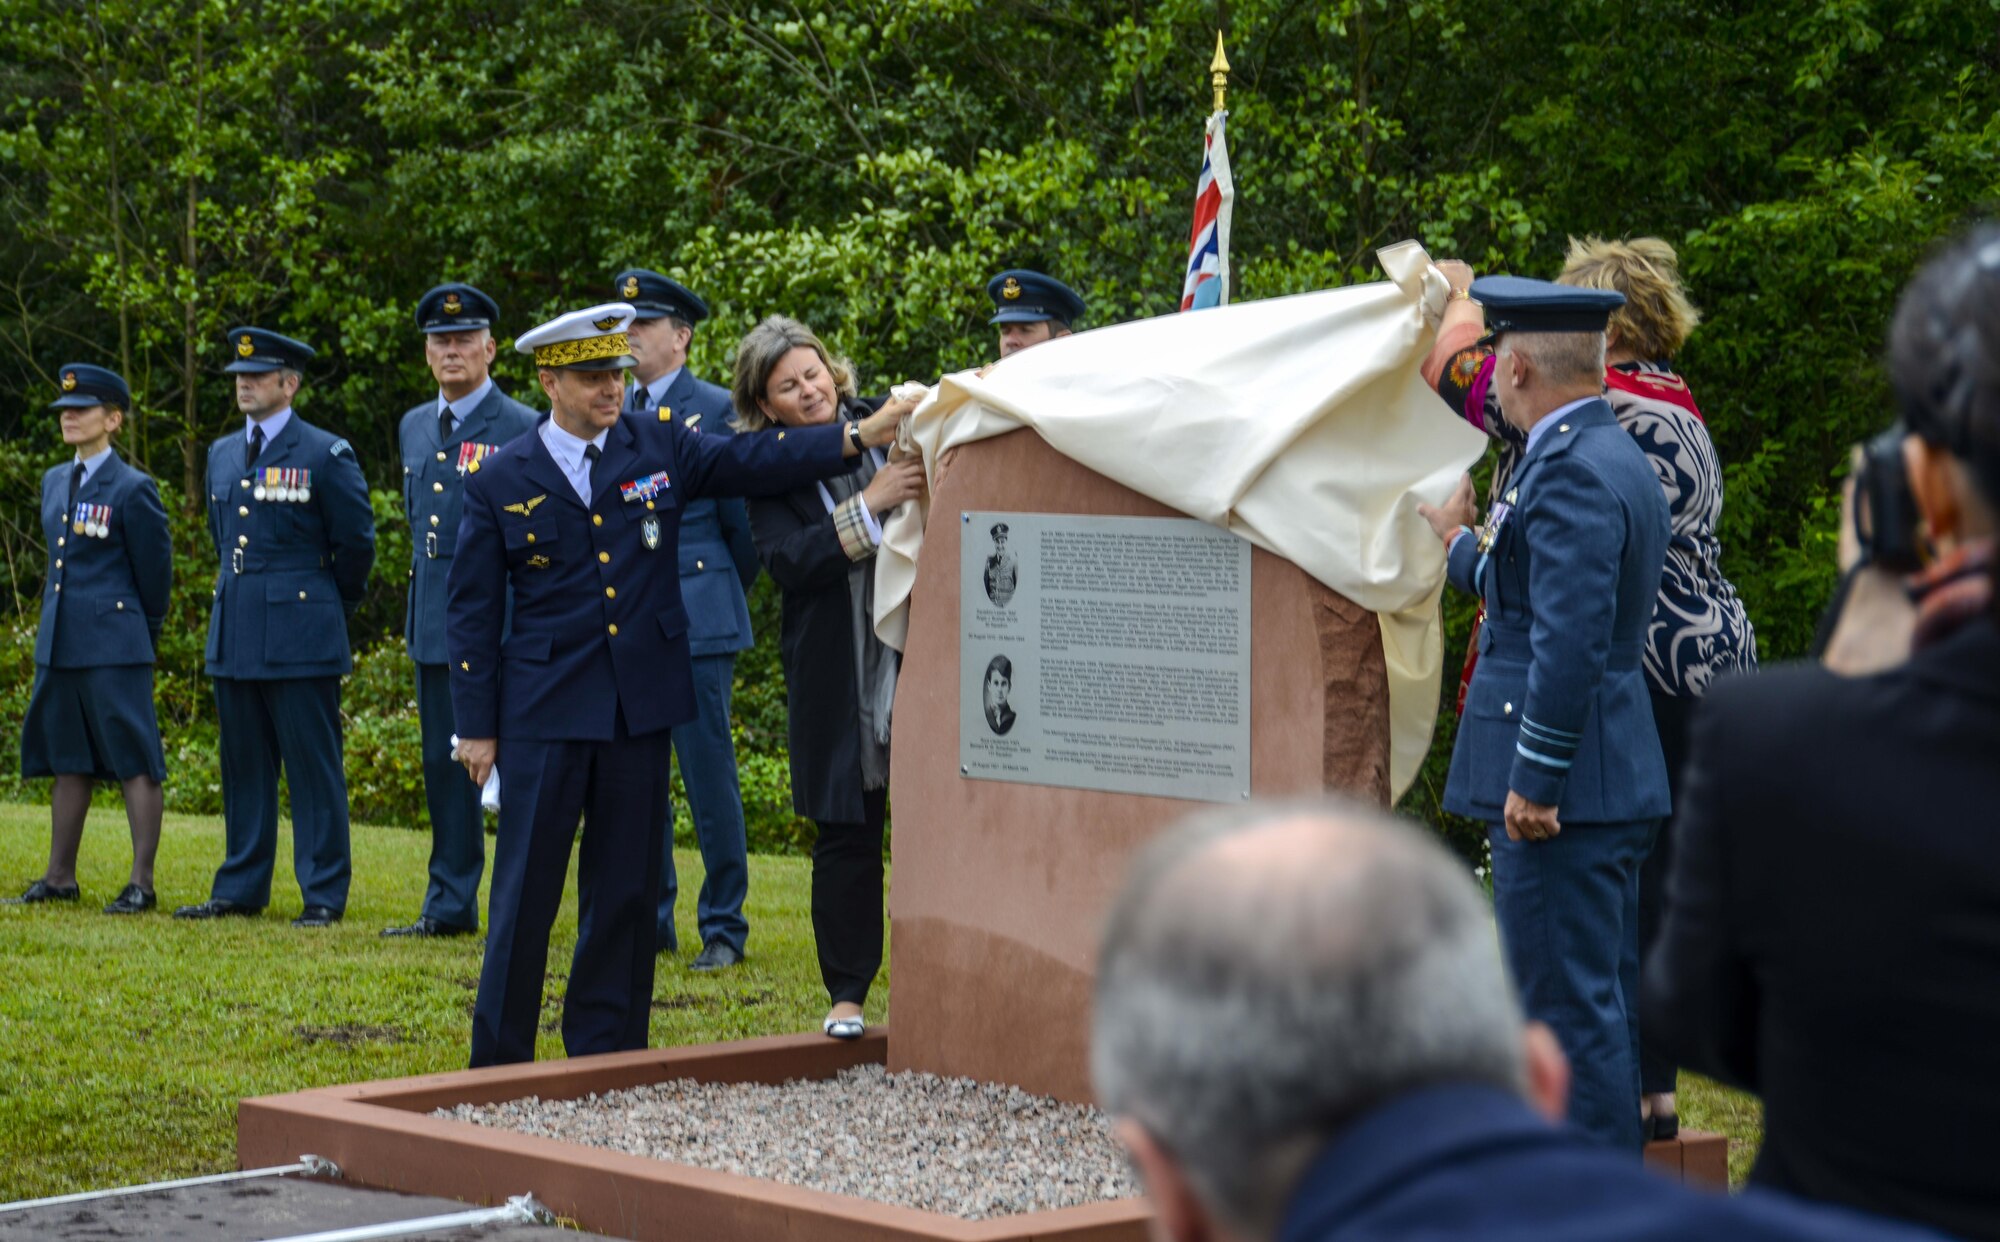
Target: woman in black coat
<point x="818" y="542"/>
<point x="1832" y="932"/>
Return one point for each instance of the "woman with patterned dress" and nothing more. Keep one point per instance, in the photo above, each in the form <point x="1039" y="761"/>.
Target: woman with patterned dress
<point x="90" y="716"/>
<point x="1699" y="630"/>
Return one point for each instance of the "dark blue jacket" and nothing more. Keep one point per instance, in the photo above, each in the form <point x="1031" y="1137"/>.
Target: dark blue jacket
<point x="718" y="557"/>
<point x="1558" y="709"/>
<point x="1475" y="1162"/>
<point x="292" y="571"/>
<point x="433" y="487"/>
<point x="106" y="594"/>
<point x="599" y="630"/>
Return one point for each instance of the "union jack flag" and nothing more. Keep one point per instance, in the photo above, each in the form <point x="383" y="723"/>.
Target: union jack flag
<point x="1207" y="281"/>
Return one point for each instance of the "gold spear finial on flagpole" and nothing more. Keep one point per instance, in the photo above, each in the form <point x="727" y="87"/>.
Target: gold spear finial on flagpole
<point x="1219" y="72"/>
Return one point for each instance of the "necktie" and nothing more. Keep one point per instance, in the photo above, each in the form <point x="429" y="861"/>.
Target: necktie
<point x="445" y="419"/>
<point x="591" y="453"/>
<point x="75" y="485"/>
<point x="256" y="447"/>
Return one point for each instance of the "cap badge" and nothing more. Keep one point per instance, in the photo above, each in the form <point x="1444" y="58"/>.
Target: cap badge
<point x="607" y="323"/>
<point x="243" y="346"/>
<point x="1011" y="290"/>
<point x="68" y="381"/>
<point x="631" y="289"/>
<point x="452" y="305"/>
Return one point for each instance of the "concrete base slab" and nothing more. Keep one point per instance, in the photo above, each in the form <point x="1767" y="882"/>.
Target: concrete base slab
<point x="273" y="1207"/>
<point x="1696" y="1157"/>
<point x="381" y="1134"/>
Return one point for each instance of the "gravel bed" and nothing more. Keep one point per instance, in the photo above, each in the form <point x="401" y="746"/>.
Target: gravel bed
<point x="968" y="1149"/>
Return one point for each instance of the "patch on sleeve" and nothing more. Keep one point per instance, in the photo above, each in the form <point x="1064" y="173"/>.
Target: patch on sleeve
<point x="339" y="447"/>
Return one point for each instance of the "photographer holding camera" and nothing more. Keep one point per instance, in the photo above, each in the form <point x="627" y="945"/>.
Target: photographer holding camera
<point x="1832" y="931"/>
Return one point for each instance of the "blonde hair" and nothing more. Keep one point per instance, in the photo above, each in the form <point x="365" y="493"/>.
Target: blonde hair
<point x="1657" y="317"/>
<point x="758" y="354"/>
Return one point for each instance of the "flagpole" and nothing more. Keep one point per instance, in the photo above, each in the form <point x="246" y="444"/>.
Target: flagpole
<point x="1206" y="281"/>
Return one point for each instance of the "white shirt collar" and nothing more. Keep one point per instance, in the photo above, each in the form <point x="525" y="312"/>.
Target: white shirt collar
<point x="658" y="388"/>
<point x="1549" y="421"/>
<point x="92" y="462"/>
<point x="568" y="449"/>
<point x="466" y="404"/>
<point x="272" y="425"/>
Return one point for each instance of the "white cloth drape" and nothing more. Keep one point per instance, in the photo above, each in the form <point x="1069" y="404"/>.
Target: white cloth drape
<point x="1299" y="423"/>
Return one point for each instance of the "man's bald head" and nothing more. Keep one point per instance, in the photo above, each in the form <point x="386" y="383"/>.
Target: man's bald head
<point x="1270" y="973"/>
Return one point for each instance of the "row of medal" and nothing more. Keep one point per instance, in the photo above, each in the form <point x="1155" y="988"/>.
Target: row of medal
<point x="644" y="489"/>
<point x="469" y="452"/>
<point x="284" y="483"/>
<point x="92" y="520"/>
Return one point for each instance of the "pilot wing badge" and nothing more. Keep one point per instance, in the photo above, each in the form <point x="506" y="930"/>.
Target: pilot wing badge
<point x="526" y="507"/>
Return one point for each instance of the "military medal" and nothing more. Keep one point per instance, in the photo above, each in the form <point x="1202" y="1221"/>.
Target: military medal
<point x="305" y="491"/>
<point x="649" y="531"/>
<point x="644" y="489"/>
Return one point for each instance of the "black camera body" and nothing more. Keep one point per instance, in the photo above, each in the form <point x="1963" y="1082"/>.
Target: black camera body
<point x="1886" y="520"/>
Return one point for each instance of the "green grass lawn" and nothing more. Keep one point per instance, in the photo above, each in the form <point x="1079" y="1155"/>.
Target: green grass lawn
<point x="126" y="1042"/>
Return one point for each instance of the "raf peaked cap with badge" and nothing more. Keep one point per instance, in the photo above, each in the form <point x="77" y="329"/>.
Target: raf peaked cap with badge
<point x="653" y="296"/>
<point x="456" y="308"/>
<point x="1022" y="296"/>
<point x="592" y="339"/>
<point x="1518" y="304"/>
<point x="81" y="384"/>
<point x="253" y="350"/>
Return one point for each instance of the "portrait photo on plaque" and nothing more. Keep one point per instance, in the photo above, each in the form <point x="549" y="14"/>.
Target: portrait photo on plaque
<point x="1003" y="567"/>
<point x="996" y="690"/>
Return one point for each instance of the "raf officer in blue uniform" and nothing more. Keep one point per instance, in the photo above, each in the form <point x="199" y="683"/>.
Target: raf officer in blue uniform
<point x="288" y="510"/>
<point x="1556" y="750"/>
<point x="718" y="563"/>
<point x="440" y="440"/>
<point x="580" y="519"/>
<point x="1030" y="308"/>
<point x="111" y="563"/>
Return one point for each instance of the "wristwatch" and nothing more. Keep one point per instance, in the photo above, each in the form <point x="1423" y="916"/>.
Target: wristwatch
<point x="1459" y="295"/>
<point x="854" y="436"/>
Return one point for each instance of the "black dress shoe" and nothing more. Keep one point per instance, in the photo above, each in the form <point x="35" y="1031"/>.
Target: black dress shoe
<point x="1662" y="1127"/>
<point x="132" y="900"/>
<point x="317" y="916"/>
<point x="42" y="890"/>
<point x="428" y="926"/>
<point x="715" y="955"/>
<point x="218" y="908"/>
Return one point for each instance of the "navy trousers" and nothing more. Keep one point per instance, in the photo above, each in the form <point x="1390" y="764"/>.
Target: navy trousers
<point x="458" y="829"/>
<point x="619" y="790"/>
<point x="1568" y="911"/>
<point x="707" y="756"/>
<point x="294" y="726"/>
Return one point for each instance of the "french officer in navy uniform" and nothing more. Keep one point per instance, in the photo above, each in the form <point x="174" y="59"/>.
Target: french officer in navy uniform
<point x="111" y="562"/>
<point x="581" y="520"/>
<point x="288" y="510"/>
<point x="1030" y="308"/>
<point x="718" y="563"/>
<point x="1556" y="750"/>
<point x="440" y="440"/>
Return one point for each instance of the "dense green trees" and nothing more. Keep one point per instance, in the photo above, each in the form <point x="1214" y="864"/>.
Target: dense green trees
<point x="170" y="167"/>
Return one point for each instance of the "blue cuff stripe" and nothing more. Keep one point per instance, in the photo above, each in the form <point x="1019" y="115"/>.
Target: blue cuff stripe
<point x="1561" y="765"/>
<point x="1545" y="739"/>
<point x="1551" y="732"/>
